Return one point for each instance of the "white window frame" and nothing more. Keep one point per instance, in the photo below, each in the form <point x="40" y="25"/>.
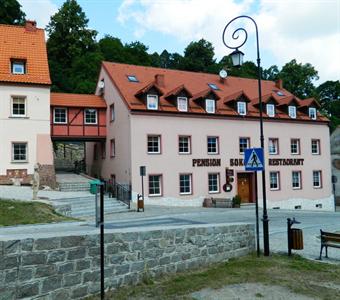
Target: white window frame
<point x="298" y="173"/>
<point x="275" y="143"/>
<point x="292" y="111"/>
<point x="319" y="179"/>
<point x="26" y="152"/>
<point x="297" y="147"/>
<point x="150" y="104"/>
<point x="96" y="114"/>
<point x="188" y="141"/>
<point x="190" y="184"/>
<point x="270" y="108"/>
<point x="54" y="113"/>
<point x="21" y="98"/>
<point x="312" y="113"/>
<point x="217" y="183"/>
<point x="317" y="147"/>
<point x="210" y="106"/>
<point x="277" y="173"/>
<point x="160" y="185"/>
<point x="239" y="143"/>
<point x="182" y="103"/>
<point x="217" y="144"/>
<point x="158" y="143"/>
<point x="15" y="64"/>
<point x="241" y="108"/>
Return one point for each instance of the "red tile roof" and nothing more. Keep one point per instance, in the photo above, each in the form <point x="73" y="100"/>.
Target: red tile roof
<point x="196" y="84"/>
<point x="77" y="100"/>
<point x="28" y="44"/>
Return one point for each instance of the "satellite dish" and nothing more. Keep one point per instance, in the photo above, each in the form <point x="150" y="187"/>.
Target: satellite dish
<point x="101" y="84"/>
<point x="223" y="74"/>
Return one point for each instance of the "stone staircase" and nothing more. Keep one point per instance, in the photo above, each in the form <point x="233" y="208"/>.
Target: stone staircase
<point x="74" y="186"/>
<point x="85" y="206"/>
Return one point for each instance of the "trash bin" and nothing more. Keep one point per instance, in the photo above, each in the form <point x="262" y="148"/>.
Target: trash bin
<point x="140" y="203"/>
<point x="93" y="186"/>
<point x="297" y="239"/>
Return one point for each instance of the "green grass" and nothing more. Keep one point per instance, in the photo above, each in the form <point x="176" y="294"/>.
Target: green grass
<point x="20" y="212"/>
<point x="295" y="273"/>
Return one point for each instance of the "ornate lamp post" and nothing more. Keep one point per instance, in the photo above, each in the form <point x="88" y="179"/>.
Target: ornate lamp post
<point x="237" y="59"/>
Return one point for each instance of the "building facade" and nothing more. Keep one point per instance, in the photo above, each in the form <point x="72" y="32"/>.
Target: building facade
<point x="335" y="153"/>
<point x="190" y="130"/>
<point x="25" y="105"/>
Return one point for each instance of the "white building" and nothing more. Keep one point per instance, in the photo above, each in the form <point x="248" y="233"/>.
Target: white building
<point x="187" y="128"/>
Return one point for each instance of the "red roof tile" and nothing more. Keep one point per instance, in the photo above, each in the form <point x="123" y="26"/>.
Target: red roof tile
<point x="77" y="100"/>
<point x="17" y="42"/>
<point x="196" y="84"/>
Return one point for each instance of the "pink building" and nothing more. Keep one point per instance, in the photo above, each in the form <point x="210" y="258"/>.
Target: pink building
<point x="189" y="128"/>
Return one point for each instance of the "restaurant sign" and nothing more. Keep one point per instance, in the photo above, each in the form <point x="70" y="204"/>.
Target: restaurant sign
<point x="238" y="162"/>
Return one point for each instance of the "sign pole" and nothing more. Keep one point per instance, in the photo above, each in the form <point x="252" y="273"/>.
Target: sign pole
<point x="257" y="217"/>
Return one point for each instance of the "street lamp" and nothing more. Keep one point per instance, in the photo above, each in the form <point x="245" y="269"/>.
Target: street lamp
<point x="237" y="59"/>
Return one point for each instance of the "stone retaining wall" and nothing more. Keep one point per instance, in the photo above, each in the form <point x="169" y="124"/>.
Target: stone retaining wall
<point x="68" y="267"/>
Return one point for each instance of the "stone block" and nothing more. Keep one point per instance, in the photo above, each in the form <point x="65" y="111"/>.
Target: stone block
<point x="91" y="276"/>
<point x="7" y="293"/>
<point x="95" y="251"/>
<point x="117" y="259"/>
<point x="33" y="259"/>
<point x="83" y="264"/>
<point x="51" y="283"/>
<point x="25" y="274"/>
<point x="137" y="266"/>
<point x="77" y="253"/>
<point x="45" y="271"/>
<point x="60" y="294"/>
<point x="11" y="276"/>
<point x="79" y="292"/>
<point x="66" y="267"/>
<point x="9" y="262"/>
<point x="56" y="256"/>
<point x="130" y="236"/>
<point x="93" y="240"/>
<point x="151" y="263"/>
<point x="137" y="246"/>
<point x="11" y="247"/>
<point x="94" y="288"/>
<point x="164" y="260"/>
<point x="72" y="279"/>
<point x="72" y="241"/>
<point x="122" y="269"/>
<point x="28" y="290"/>
<point x="175" y="258"/>
<point x="47" y="243"/>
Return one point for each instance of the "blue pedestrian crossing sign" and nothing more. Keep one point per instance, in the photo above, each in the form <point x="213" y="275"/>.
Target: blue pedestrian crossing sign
<point x="253" y="159"/>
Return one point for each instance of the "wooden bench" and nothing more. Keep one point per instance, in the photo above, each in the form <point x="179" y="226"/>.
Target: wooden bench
<point x="329" y="239"/>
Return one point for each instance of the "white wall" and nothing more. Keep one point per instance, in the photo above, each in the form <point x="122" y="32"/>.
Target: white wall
<point x="26" y="129"/>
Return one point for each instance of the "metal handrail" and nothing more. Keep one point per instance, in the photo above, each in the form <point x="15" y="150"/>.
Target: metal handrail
<point x="122" y="193"/>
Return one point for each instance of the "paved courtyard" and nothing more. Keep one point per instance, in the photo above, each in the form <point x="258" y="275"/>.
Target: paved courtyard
<point x="161" y="217"/>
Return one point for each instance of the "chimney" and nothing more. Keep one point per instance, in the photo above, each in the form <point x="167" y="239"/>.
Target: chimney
<point x="279" y="84"/>
<point x="31" y="25"/>
<point x="159" y="78"/>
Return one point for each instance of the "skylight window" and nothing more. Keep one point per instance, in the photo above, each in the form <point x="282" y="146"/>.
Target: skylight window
<point x="279" y="93"/>
<point x="213" y="86"/>
<point x="132" y="78"/>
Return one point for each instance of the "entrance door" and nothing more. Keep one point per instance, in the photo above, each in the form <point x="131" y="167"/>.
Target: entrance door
<point x="244" y="187"/>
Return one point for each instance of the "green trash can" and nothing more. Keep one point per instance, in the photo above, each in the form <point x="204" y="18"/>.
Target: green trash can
<point x="93" y="186"/>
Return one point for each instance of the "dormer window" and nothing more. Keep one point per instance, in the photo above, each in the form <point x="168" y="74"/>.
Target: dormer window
<point x="182" y="103"/>
<point x="210" y="106"/>
<point x="152" y="102"/>
<point x="312" y="113"/>
<point x="270" y="110"/>
<point x="292" y="111"/>
<point x="241" y="108"/>
<point x="18" y="67"/>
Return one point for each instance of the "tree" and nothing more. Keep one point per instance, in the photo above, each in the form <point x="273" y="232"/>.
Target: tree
<point x="69" y="39"/>
<point x="272" y="73"/>
<point x="11" y="13"/>
<point x="198" y="56"/>
<point x="136" y="53"/>
<point x="328" y="94"/>
<point x="298" y="78"/>
<point x="112" y="49"/>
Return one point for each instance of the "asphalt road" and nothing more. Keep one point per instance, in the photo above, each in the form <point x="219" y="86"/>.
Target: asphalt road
<point x="161" y="217"/>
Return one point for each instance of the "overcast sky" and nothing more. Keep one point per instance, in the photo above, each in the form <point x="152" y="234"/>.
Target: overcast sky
<point x="306" y="30"/>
